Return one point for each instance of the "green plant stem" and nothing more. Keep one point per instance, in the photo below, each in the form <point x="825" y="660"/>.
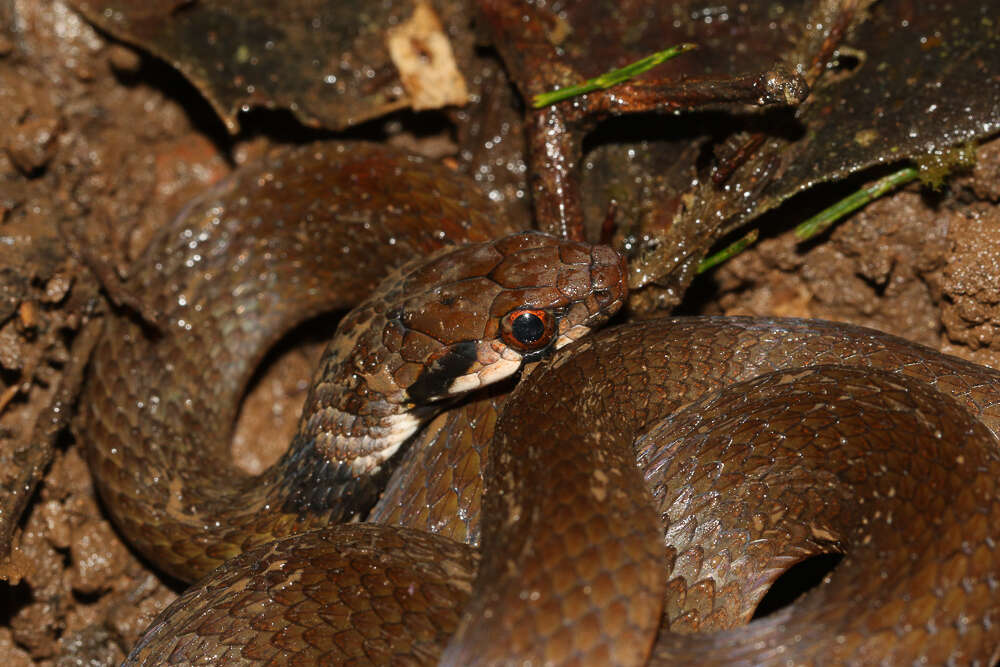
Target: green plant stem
<point x="853" y="202"/>
<point x="729" y="251"/>
<point x="611" y="78"/>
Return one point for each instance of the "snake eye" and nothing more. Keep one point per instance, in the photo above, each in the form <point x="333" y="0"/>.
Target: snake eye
<point x="526" y="329"/>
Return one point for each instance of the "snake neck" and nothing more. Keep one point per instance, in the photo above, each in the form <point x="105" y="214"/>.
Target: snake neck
<point x="356" y="415"/>
<point x="355" y="418"/>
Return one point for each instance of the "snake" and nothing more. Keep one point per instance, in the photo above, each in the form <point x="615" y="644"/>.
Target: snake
<point x="642" y="486"/>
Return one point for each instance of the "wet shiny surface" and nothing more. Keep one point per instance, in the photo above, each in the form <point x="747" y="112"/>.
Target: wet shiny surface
<point x="307" y="230"/>
<point x="864" y="444"/>
<point x="579" y="562"/>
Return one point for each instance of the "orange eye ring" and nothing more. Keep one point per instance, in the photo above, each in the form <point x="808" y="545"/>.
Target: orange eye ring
<point x="527" y="328"/>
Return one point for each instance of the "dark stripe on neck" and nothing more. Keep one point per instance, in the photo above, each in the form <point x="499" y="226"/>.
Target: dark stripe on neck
<point x="433" y="383"/>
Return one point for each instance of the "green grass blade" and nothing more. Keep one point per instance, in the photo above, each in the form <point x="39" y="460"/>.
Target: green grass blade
<point x="611" y="78"/>
<point x="729" y="251"/>
<point x="819" y="222"/>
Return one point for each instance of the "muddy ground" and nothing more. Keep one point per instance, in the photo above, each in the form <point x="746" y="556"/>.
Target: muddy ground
<point x="99" y="146"/>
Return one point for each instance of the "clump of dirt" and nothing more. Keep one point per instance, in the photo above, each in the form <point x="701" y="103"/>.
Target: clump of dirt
<point x="970" y="283"/>
<point x="92" y="161"/>
<point x="83" y="595"/>
<point x="94" y="158"/>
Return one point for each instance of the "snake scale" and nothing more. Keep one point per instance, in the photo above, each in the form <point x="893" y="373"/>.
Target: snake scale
<point x="759" y="442"/>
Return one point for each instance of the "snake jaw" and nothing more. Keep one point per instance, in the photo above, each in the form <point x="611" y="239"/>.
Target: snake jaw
<point x="494" y="362"/>
<point x="493" y="373"/>
<point x="497" y="362"/>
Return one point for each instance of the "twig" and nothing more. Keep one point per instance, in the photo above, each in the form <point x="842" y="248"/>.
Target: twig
<point x="35" y="455"/>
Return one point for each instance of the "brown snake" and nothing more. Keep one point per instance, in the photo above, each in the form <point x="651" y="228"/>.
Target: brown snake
<point x="762" y="442"/>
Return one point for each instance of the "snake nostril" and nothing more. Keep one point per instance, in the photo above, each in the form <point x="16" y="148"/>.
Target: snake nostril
<point x="603" y="295"/>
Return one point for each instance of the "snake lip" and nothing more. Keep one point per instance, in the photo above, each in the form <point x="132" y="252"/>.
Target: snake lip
<point x="539" y="354"/>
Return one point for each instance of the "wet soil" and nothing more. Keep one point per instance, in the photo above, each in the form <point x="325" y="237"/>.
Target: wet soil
<point x="99" y="146"/>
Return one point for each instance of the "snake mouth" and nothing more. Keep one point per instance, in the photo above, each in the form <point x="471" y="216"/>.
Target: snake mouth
<point x="463" y="370"/>
<point x="471" y="365"/>
<point x="511" y="362"/>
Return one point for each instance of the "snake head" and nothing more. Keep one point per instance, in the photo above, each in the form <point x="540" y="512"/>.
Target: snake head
<point x="474" y="315"/>
<point x="457" y="321"/>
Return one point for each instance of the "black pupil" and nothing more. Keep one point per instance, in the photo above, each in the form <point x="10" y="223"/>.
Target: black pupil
<point x="527" y="327"/>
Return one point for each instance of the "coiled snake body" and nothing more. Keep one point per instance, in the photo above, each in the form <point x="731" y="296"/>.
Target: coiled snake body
<point x="761" y="441"/>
